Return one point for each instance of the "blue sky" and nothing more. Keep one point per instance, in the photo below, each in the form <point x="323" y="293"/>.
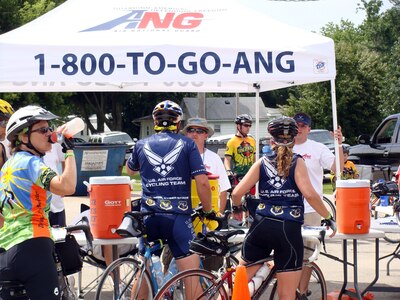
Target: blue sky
<point x="312" y="15"/>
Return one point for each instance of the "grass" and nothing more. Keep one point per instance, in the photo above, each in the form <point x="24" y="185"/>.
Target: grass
<point x="327" y="188"/>
<point x="137" y="185"/>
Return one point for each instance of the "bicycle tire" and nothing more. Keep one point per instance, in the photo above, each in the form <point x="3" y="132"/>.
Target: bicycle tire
<point x="128" y="269"/>
<point x="329" y="206"/>
<point x="316" y="289"/>
<point x="210" y="285"/>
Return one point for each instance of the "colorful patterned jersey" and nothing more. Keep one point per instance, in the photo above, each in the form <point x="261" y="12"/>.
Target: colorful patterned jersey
<point x="25" y="199"/>
<point x="242" y="151"/>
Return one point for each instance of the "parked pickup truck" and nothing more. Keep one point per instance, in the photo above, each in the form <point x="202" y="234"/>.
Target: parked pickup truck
<point x="382" y="148"/>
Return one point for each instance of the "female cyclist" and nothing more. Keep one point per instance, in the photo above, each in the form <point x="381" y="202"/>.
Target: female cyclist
<point x="26" y="187"/>
<point x="283" y="181"/>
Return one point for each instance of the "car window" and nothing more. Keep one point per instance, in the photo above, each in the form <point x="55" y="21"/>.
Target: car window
<point x="323" y="137"/>
<point x="385" y="134"/>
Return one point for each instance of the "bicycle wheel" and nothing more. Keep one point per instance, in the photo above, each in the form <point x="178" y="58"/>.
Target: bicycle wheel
<point x="329" y="206"/>
<point x="128" y="270"/>
<point x="316" y="287"/>
<point x="193" y="284"/>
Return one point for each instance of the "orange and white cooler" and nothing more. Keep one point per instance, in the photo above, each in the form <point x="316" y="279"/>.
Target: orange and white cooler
<point x="352" y="206"/>
<point x="110" y="198"/>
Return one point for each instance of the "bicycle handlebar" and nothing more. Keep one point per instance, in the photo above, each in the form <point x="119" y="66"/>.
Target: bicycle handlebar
<point x="88" y="235"/>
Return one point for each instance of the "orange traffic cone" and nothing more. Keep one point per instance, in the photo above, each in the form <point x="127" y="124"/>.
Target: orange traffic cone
<point x="241" y="287"/>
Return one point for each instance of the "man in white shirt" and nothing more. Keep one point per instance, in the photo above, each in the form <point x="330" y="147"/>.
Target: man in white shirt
<point x="317" y="157"/>
<point x="55" y="160"/>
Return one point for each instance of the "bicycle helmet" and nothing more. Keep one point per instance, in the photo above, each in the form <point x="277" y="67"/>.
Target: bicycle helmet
<point x="24" y="118"/>
<point x="207" y="245"/>
<point x="283" y="130"/>
<point x="6" y="109"/>
<point x="167" y="113"/>
<point x="243" y="118"/>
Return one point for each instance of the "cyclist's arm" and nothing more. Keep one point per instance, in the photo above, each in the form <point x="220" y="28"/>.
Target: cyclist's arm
<point x="223" y="197"/>
<point x="204" y="191"/>
<point x="248" y="181"/>
<point x="228" y="162"/>
<point x="65" y="183"/>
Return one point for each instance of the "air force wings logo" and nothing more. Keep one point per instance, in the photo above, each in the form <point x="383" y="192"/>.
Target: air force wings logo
<point x="275" y="180"/>
<point x="163" y="165"/>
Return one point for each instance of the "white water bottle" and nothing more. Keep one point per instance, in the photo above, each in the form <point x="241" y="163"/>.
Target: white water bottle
<point x="71" y="128"/>
<point x="172" y="270"/>
<point x="157" y="270"/>
<point x="258" y="278"/>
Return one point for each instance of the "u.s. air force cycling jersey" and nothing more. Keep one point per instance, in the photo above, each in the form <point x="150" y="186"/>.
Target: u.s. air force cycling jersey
<point x="25" y="199"/>
<point x="280" y="198"/>
<point x="167" y="162"/>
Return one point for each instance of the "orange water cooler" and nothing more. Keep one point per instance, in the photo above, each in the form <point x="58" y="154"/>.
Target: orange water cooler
<point x="352" y="206"/>
<point x="110" y="198"/>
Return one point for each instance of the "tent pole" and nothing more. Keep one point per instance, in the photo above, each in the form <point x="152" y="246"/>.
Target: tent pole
<point x="335" y="126"/>
<point x="257" y="86"/>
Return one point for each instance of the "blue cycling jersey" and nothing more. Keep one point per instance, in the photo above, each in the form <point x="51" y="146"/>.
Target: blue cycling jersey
<point x="167" y="162"/>
<point x="280" y="198"/>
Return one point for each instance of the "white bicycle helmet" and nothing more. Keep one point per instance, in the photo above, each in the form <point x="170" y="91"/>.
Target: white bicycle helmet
<point x="25" y="117"/>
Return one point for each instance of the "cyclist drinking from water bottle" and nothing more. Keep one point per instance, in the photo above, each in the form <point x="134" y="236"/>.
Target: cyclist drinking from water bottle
<point x="26" y="187"/>
<point x="283" y="182"/>
<point x="167" y="161"/>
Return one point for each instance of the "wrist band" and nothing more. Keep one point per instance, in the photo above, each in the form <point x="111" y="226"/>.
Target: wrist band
<point x="69" y="154"/>
<point x="340" y="145"/>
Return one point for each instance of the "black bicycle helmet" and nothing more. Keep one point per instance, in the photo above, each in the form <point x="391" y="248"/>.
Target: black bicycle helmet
<point x="243" y="118"/>
<point x="167" y="113"/>
<point x="283" y="130"/>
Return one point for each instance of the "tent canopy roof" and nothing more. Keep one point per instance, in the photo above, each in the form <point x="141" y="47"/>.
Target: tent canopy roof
<point x="146" y="45"/>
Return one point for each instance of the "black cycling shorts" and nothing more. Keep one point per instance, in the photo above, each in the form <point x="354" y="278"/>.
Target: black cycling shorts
<point x="32" y="263"/>
<point x="176" y="229"/>
<point x="283" y="237"/>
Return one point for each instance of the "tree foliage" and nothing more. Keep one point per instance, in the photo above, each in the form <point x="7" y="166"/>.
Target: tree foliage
<point x="367" y="81"/>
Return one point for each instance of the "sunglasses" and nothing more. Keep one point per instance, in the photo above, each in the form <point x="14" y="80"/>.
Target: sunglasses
<point x="246" y="125"/>
<point x="197" y="130"/>
<point x="3" y="123"/>
<point x="43" y="130"/>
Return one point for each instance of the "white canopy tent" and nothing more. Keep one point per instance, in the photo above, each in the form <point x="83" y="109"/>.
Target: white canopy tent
<point x="146" y="45"/>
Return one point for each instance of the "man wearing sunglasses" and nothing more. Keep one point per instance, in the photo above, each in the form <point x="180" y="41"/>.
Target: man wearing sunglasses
<point x="240" y="155"/>
<point x="199" y="131"/>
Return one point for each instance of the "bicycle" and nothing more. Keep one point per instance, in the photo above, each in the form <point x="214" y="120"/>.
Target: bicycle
<point x="124" y="273"/>
<point x="220" y="286"/>
<point x="247" y="207"/>
<point x="329" y="206"/>
<point x="67" y="258"/>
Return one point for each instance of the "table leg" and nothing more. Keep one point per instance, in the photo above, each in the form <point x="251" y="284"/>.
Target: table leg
<point x="116" y="272"/>
<point x="344" y="249"/>
<point x="355" y="270"/>
<point x="376" y="267"/>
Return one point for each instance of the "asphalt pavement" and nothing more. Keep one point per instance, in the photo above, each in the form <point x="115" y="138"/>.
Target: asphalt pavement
<point x="332" y="269"/>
